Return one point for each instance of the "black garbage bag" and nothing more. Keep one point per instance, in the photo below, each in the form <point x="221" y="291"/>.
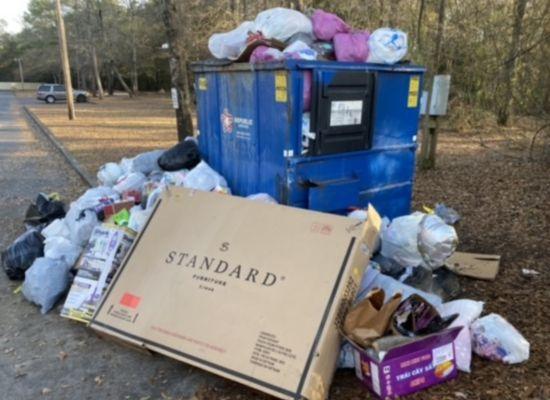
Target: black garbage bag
<point x="44" y="210"/>
<point x="17" y="258"/>
<point x="183" y="155"/>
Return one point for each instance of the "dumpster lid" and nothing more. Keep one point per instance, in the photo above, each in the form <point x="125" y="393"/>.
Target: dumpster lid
<point x="213" y="65"/>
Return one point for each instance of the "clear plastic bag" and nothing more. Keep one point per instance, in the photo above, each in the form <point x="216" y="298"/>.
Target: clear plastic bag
<point x="468" y="311"/>
<point x="92" y="197"/>
<point x="262" y="198"/>
<point x="496" y="339"/>
<point x="203" y="177"/>
<point x="230" y="44"/>
<point x="299" y="50"/>
<point x="17" y="258"/>
<point x="147" y="162"/>
<point x="282" y="23"/>
<point x="138" y="218"/>
<point x="109" y="173"/>
<point x="45" y="282"/>
<point x="131" y="181"/>
<point x="437" y="241"/>
<point x="60" y="248"/>
<point x="57" y="228"/>
<point x="387" y="46"/>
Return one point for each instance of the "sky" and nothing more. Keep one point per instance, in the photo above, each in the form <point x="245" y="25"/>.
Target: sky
<point x="12" y="11"/>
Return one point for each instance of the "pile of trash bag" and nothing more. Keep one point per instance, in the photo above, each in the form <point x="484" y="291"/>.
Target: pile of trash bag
<point x="280" y="33"/>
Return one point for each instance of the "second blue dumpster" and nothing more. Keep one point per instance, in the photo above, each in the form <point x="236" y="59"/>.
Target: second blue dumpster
<point x="328" y="136"/>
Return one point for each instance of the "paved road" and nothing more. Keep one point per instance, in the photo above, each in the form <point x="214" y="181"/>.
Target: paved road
<point x="45" y="352"/>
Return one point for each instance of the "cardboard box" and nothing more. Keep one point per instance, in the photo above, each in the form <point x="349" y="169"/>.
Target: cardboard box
<point x="250" y="291"/>
<point x="410" y="367"/>
<point x="103" y="255"/>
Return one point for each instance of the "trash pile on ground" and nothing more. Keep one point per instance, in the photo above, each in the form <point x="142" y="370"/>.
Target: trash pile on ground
<point x="279" y="33"/>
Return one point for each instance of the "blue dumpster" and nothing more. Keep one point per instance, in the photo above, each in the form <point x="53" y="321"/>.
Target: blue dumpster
<point x="354" y="145"/>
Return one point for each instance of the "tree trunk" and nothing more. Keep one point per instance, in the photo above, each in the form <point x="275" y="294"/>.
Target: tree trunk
<point x="111" y="79"/>
<point x="503" y="112"/>
<point x="122" y="81"/>
<point x="430" y="132"/>
<point x="97" y="77"/>
<point x="382" y="10"/>
<point x="135" y="84"/>
<point x="178" y="70"/>
<point x="393" y="19"/>
<point x="419" y="25"/>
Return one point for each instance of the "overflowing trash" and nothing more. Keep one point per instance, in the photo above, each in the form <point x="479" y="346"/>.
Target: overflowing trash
<point x="280" y="33"/>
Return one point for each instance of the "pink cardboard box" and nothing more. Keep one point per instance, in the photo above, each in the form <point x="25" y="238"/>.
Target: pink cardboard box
<point x="411" y="367"/>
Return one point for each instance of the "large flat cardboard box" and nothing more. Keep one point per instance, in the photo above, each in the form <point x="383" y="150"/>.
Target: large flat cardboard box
<point x="250" y="291"/>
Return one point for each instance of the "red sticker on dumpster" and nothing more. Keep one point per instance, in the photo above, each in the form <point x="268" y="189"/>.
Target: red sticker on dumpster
<point x="129" y="300"/>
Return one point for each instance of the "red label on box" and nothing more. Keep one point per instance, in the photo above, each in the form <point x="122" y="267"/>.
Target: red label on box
<point x="129" y="300"/>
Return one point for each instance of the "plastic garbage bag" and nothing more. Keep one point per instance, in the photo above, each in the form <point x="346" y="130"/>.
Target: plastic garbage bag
<point x="153" y="197"/>
<point x="326" y="25"/>
<point x="496" y="339"/>
<point x="282" y="23"/>
<point x="60" y="248"/>
<point x="17" y="258"/>
<point x="358" y="214"/>
<point x="92" y="197"/>
<point x="45" y="209"/>
<point x="176" y="178"/>
<point x="307" y="38"/>
<point x="262" y="197"/>
<point x="447" y="214"/>
<point x="81" y="224"/>
<point x="138" y="218"/>
<point x="346" y="359"/>
<point x="437" y="241"/>
<point x="203" y="177"/>
<point x="57" y="227"/>
<point x="109" y="173"/>
<point x="230" y="44"/>
<point x="373" y="278"/>
<point x="131" y="181"/>
<point x="387" y="46"/>
<point x="351" y="47"/>
<point x="419" y="239"/>
<point x="184" y="155"/>
<point x="45" y="282"/>
<point x="147" y="162"/>
<point x="299" y="50"/>
<point x="264" y="54"/>
<point x="325" y="50"/>
<point x="126" y="165"/>
<point x="468" y="311"/>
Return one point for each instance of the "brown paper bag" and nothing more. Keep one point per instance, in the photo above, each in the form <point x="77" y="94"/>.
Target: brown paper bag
<point x="370" y="319"/>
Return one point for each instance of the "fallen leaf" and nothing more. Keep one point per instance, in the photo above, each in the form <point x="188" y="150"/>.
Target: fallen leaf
<point x="461" y="395"/>
<point x="46" y="391"/>
<point x="62" y="355"/>
<point x="98" y="380"/>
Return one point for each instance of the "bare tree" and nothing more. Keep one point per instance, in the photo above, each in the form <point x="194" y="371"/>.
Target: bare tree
<point x="178" y="69"/>
<point x="65" y="60"/>
<point x="419" y="25"/>
<point x="503" y="112"/>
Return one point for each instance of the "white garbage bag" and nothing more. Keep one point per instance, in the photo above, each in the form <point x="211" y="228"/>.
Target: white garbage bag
<point x="147" y="162"/>
<point x="419" y="239"/>
<point x="203" y="177"/>
<point x="299" y="50"/>
<point x="91" y="197"/>
<point x="138" y="218"/>
<point x="60" y="248"/>
<point x="230" y="44"/>
<point x="387" y="46"/>
<point x="282" y="23"/>
<point x="496" y="339"/>
<point x="175" y="178"/>
<point x="360" y="215"/>
<point x="109" y="173"/>
<point x="126" y="165"/>
<point x="131" y="181"/>
<point x="153" y="197"/>
<point x="57" y="228"/>
<point x="262" y="197"/>
<point x="45" y="282"/>
<point x="81" y="224"/>
<point x="468" y="311"/>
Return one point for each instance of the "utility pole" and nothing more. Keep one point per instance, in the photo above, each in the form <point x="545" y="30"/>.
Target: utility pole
<point x="65" y="60"/>
<point x="21" y="76"/>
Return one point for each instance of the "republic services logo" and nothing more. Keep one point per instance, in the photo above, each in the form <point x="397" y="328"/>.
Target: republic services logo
<point x="227" y="121"/>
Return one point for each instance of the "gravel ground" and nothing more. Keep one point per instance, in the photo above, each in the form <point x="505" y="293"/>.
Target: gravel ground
<point x="503" y="199"/>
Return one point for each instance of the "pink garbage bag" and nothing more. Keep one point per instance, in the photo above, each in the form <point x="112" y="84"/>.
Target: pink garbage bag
<point x="351" y="46"/>
<point x="326" y="25"/>
<point x="264" y="54"/>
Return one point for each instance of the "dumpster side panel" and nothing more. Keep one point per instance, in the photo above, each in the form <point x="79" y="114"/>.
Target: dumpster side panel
<point x="208" y="116"/>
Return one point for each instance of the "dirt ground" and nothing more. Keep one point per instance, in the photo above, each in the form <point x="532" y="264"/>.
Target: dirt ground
<point x="482" y="172"/>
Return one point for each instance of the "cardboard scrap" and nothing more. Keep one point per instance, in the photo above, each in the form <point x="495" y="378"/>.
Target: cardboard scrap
<point x="479" y="266"/>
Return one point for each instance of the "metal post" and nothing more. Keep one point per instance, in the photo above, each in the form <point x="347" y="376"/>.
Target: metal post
<point x="65" y="60"/>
